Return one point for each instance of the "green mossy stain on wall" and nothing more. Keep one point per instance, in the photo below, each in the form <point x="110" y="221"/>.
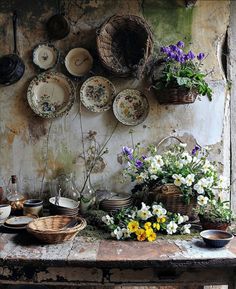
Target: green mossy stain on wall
<point x="66" y="158"/>
<point x="171" y="20"/>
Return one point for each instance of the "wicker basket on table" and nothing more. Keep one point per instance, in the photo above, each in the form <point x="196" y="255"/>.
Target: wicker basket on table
<point x="124" y="43"/>
<point x="54" y="229"/>
<point x="177" y="95"/>
<point x="171" y="196"/>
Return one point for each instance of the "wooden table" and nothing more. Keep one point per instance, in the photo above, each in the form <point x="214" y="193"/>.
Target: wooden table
<point x="88" y="262"/>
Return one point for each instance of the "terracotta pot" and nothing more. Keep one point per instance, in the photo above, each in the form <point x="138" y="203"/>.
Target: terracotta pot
<point x="208" y="225"/>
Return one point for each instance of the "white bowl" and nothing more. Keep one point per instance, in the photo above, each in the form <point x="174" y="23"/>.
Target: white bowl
<point x="64" y="203"/>
<point x="5" y="211"/>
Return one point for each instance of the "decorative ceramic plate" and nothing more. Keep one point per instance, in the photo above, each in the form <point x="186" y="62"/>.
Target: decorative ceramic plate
<point x="131" y="107"/>
<point x="45" y="56"/>
<point x="78" y="61"/>
<point x="97" y="94"/>
<point x="51" y="94"/>
<point x="14" y="227"/>
<point x="18" y="221"/>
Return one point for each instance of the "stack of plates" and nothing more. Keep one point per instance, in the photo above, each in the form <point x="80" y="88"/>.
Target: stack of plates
<point x="65" y="206"/>
<point x="116" y="202"/>
<point x="18" y="223"/>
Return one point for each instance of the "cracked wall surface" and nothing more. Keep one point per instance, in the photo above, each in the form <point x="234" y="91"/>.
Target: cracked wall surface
<point x="26" y="141"/>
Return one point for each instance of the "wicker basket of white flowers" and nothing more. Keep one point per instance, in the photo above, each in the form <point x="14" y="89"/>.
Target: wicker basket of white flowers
<point x="176" y="177"/>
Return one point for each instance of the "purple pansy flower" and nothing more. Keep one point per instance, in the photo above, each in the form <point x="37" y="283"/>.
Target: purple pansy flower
<point x="180" y="44"/>
<point x="165" y="49"/>
<point x="196" y="148"/>
<point x="200" y="56"/>
<point x="173" y="47"/>
<point x="127" y="151"/>
<point x="138" y="164"/>
<point x="171" y="55"/>
<point x="191" y="55"/>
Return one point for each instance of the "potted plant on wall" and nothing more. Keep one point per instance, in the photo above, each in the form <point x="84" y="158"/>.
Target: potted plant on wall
<point x="214" y="213"/>
<point x="177" y="77"/>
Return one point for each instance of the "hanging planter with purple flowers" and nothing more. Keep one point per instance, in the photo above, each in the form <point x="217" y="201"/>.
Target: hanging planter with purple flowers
<point x="180" y="79"/>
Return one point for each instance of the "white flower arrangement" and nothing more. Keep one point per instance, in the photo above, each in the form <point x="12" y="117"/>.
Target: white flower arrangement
<point x="193" y="173"/>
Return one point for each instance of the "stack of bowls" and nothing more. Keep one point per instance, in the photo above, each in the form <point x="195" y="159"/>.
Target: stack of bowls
<point x="116" y="202"/>
<point x="64" y="206"/>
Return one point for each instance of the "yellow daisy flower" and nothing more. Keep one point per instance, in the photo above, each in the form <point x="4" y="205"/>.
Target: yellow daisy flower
<point x="133" y="226"/>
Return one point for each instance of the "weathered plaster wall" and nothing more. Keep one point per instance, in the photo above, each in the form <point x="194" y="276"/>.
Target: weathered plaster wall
<point x="30" y="146"/>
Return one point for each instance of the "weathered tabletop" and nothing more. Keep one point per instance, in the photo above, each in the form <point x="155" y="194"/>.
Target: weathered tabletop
<point x="86" y="261"/>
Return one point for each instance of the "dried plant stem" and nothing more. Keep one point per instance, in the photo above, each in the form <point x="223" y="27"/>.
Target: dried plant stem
<point x="97" y="157"/>
<point x="45" y="159"/>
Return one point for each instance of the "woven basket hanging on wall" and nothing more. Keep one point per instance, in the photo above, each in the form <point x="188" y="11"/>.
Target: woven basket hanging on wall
<point x="177" y="95"/>
<point x="124" y="43"/>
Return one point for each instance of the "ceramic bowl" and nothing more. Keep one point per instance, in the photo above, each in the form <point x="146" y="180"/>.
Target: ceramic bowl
<point x="33" y="207"/>
<point x="64" y="203"/>
<point x="216" y="238"/>
<point x="5" y="211"/>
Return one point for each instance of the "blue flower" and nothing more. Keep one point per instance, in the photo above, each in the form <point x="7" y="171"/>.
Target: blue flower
<point x="138" y="164"/>
<point x="200" y="56"/>
<point x="191" y="55"/>
<point x="127" y="151"/>
<point x="196" y="148"/>
<point x="180" y="44"/>
<point x="173" y="47"/>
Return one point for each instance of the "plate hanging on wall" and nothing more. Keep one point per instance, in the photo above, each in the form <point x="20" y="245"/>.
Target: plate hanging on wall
<point x="78" y="61"/>
<point x="97" y="94"/>
<point x="45" y="56"/>
<point x="51" y="94"/>
<point x="131" y="107"/>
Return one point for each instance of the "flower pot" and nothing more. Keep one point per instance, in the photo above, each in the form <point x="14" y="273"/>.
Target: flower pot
<point x="172" y="199"/>
<point x="176" y="95"/>
<point x="208" y="224"/>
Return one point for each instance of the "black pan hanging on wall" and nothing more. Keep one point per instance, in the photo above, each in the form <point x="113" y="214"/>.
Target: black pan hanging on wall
<point x="12" y="67"/>
<point x="57" y="26"/>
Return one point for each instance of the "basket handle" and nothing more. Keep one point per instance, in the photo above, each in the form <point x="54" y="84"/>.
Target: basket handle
<point x="166" y="138"/>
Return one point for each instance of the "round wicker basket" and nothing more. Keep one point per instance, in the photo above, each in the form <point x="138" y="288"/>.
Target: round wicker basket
<point x="171" y="197"/>
<point x="124" y="43"/>
<point x="54" y="229"/>
<point x="177" y="95"/>
<point x="209" y="225"/>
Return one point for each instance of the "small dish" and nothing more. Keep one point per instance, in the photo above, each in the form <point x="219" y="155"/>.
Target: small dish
<point x="64" y="203"/>
<point x="216" y="238"/>
<point x="51" y="94"/>
<point x="97" y="94"/>
<point x="131" y="107"/>
<point x="14" y="228"/>
<point x="18" y="221"/>
<point x="45" y="56"/>
<point x="78" y="61"/>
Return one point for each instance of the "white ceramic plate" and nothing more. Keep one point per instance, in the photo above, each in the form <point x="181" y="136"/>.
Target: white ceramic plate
<point x="18" y="221"/>
<point x="97" y="94"/>
<point x="51" y="94"/>
<point x="131" y="107"/>
<point x="65" y="203"/>
<point x="78" y="61"/>
<point x="45" y="56"/>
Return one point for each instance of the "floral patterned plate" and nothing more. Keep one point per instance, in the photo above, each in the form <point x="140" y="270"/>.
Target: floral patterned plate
<point x="51" y="94"/>
<point x="45" y="56"/>
<point x="97" y="94"/>
<point x="131" y="107"/>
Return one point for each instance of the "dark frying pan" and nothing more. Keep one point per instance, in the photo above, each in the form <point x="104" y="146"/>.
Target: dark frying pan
<point x="12" y="67"/>
<point x="57" y="26"/>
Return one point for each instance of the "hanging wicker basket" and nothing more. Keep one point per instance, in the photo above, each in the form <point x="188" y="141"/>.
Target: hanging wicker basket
<point x="124" y="43"/>
<point x="172" y="199"/>
<point x="177" y="95"/>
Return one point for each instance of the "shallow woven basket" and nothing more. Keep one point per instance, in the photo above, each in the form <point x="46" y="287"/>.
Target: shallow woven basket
<point x="172" y="199"/>
<point x="124" y="43"/>
<point x="209" y="225"/>
<point x="51" y="229"/>
<point x="176" y="95"/>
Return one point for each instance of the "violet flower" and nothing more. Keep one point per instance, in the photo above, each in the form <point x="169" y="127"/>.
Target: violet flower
<point x="127" y="151"/>
<point x="180" y="44"/>
<point x="173" y="47"/>
<point x="196" y="148"/>
<point x="138" y="164"/>
<point x="191" y="55"/>
<point x="200" y="56"/>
